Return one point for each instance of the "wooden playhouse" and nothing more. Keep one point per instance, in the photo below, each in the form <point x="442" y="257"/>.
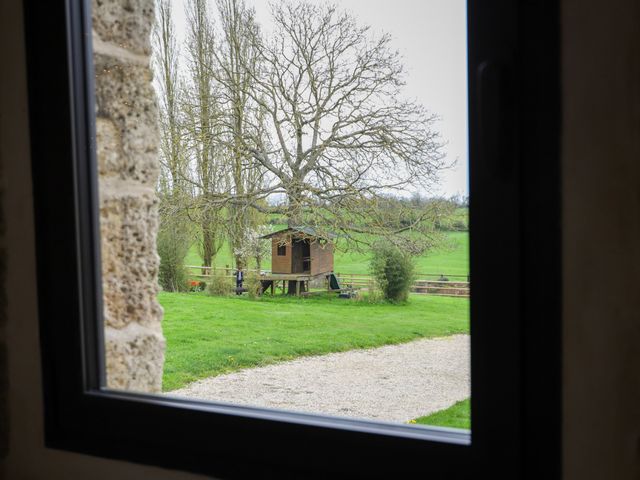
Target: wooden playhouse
<point x="298" y="256"/>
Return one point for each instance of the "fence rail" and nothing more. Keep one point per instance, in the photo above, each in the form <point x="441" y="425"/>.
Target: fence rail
<point x="423" y="284"/>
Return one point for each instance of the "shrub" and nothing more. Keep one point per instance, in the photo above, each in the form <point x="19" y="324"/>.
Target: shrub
<point x="253" y="285"/>
<point x="196" y="286"/>
<point x="393" y="271"/>
<point x="173" y="244"/>
<point x="460" y="225"/>
<point x="373" y="295"/>
<point x="220" y="285"/>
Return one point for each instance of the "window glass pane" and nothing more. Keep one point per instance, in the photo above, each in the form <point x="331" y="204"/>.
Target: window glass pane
<point x="284" y="204"/>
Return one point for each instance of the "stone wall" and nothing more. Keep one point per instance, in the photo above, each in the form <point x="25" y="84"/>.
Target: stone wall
<point x="127" y="149"/>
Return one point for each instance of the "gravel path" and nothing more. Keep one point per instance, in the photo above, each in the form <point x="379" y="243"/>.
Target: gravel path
<point x="392" y="383"/>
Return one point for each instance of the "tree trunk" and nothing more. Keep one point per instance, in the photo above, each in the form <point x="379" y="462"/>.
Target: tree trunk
<point x="294" y="206"/>
<point x="239" y="262"/>
<point x="208" y="247"/>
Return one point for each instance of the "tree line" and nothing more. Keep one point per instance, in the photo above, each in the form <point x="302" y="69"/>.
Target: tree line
<point x="308" y="110"/>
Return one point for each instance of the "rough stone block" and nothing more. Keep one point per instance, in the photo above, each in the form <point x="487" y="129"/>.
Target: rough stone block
<point x="127" y="150"/>
<point x="125" y="97"/>
<point x="134" y="358"/>
<point x="126" y="23"/>
<point x="109" y="148"/>
<point x="128" y="223"/>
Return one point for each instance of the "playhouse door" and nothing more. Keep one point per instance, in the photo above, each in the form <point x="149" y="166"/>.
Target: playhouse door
<point x="301" y="256"/>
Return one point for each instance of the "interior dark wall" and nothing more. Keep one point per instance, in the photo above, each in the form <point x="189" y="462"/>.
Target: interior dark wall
<point x="601" y="161"/>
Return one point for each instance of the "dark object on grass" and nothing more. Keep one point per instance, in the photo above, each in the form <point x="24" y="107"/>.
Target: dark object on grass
<point x="347" y="294"/>
<point x="344" y="291"/>
<point x="334" y="283"/>
<point x="266" y="284"/>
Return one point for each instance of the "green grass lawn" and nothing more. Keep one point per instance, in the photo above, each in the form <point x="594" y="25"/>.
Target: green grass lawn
<point x="207" y="336"/>
<point x="456" y="416"/>
<point x="452" y="259"/>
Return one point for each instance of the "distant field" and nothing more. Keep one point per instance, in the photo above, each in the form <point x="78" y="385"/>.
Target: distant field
<point x="449" y="260"/>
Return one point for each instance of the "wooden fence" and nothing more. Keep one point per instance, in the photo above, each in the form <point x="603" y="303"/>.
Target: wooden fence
<point x="425" y="283"/>
<point x="203" y="272"/>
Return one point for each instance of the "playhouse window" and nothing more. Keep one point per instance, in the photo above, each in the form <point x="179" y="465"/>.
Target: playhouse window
<point x="282" y="251"/>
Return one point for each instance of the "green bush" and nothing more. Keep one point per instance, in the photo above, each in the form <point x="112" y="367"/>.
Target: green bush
<point x="372" y="296"/>
<point x="460" y="225"/>
<point x="220" y="285"/>
<point x="173" y="244"/>
<point x="393" y="271"/>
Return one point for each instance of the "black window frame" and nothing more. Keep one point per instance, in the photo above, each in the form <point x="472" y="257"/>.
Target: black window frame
<point x="514" y="131"/>
<point x="281" y="250"/>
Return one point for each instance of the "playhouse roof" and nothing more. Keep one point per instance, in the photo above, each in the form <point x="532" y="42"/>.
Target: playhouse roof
<point x="305" y="230"/>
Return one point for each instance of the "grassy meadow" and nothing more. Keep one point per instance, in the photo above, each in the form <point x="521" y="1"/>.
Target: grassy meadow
<point x="208" y="336"/>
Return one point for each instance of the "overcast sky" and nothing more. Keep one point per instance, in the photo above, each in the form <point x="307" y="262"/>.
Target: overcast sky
<point x="431" y="36"/>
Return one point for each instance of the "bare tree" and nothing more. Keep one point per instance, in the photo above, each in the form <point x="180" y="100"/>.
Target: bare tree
<point x="165" y="62"/>
<point x="202" y="115"/>
<point x="234" y="69"/>
<point x="339" y="135"/>
<point x="174" y="235"/>
<point x="313" y="112"/>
